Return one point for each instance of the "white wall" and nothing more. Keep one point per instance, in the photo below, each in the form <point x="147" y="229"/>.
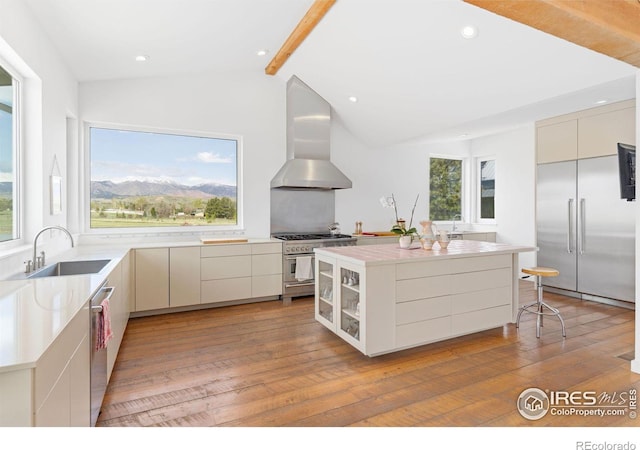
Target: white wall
<point x="250" y="105"/>
<point x="50" y="97"/>
<point x="402" y="170"/>
<point x="515" y="186"/>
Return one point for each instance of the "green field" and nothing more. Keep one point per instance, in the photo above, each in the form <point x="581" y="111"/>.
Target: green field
<point x="102" y="222"/>
<point x="6" y="225"/>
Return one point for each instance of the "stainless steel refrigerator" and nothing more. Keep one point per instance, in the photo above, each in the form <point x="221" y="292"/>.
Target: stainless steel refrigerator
<point x="584" y="228"/>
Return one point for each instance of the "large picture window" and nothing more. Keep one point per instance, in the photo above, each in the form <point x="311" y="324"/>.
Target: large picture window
<point x="9" y="229"/>
<point x="445" y="189"/>
<point x="143" y="178"/>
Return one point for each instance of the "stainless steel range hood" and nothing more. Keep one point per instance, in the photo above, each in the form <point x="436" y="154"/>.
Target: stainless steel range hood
<point x="308" y="147"/>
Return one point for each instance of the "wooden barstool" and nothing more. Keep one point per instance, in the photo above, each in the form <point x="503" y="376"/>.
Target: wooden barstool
<point x="539" y="305"/>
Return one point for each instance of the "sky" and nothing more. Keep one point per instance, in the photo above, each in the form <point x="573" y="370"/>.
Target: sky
<point x="120" y="155"/>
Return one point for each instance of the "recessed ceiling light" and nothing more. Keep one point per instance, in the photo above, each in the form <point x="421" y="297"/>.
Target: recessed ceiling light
<point x="142" y="58"/>
<point x="469" y="32"/>
<point x="353" y="99"/>
<point x="600" y="102"/>
<point x="262" y="52"/>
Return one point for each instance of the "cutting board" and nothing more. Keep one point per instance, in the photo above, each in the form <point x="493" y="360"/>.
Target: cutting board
<point x="222" y="240"/>
<point x="378" y="233"/>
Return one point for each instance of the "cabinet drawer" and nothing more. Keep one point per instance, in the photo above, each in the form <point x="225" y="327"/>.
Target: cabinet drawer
<point x="225" y="250"/>
<point x="227" y="267"/>
<point x="480" y="320"/>
<point x="269" y="247"/>
<point x="269" y="264"/>
<point x="461" y="265"/>
<point x="473" y="301"/>
<point x="422" y="332"/>
<point x="424" y="309"/>
<point x="225" y="290"/>
<point x="266" y="285"/>
<point x="417" y="288"/>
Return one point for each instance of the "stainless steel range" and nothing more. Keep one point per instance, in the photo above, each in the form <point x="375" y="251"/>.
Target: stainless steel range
<point x="298" y="260"/>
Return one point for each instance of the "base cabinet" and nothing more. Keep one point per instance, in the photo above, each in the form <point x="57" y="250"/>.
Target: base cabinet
<point x="152" y="278"/>
<point x="387" y="307"/>
<point x="196" y="275"/>
<point x="184" y="276"/>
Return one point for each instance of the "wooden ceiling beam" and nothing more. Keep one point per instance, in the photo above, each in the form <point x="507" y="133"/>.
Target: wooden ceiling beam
<point x="610" y="27"/>
<point x="315" y="13"/>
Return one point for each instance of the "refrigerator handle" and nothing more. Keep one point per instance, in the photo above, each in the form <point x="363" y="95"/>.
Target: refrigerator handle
<point x="570" y="230"/>
<point x="583" y="243"/>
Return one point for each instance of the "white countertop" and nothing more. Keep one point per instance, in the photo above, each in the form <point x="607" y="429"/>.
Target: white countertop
<point x="33" y="312"/>
<point x="392" y="253"/>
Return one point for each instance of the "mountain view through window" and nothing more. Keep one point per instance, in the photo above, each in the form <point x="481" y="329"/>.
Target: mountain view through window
<point x="151" y="179"/>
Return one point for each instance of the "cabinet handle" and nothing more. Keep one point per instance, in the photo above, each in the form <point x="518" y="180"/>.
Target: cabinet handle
<point x="299" y="284"/>
<point x="570" y="230"/>
<point x="583" y="226"/>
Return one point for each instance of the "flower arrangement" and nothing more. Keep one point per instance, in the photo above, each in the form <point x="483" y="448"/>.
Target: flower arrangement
<point x="400" y="228"/>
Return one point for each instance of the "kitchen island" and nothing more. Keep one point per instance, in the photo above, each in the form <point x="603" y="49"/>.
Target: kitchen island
<point x="381" y="298"/>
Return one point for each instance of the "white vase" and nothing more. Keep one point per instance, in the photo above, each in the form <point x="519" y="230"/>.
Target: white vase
<point x="405" y="241"/>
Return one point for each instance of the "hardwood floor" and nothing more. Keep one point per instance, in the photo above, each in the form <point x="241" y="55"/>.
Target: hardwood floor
<point x="269" y="365"/>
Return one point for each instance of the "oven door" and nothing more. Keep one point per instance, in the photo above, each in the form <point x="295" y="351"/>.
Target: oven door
<point x="289" y="272"/>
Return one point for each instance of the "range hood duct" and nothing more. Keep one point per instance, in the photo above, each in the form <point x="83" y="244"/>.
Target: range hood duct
<point x="308" y="143"/>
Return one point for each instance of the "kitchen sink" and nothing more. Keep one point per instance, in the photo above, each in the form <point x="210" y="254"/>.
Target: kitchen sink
<point x="63" y="268"/>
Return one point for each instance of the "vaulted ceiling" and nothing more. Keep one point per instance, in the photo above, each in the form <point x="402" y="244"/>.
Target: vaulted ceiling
<point x="608" y="27"/>
<point x="415" y="76"/>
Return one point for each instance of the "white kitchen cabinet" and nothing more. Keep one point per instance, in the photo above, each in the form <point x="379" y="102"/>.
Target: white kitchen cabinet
<point x="266" y="270"/>
<point x="383" y="306"/>
<point x="152" y="278"/>
<point x="325" y="289"/>
<point x="225" y="273"/>
<point x="350" y="301"/>
<point x="475" y="236"/>
<point x="62" y="393"/>
<point x="184" y="276"/>
<point x="586" y="134"/>
<point x="557" y="141"/>
<point x="119" y="308"/>
<point x="599" y="134"/>
<point x="241" y="271"/>
<point x="194" y="275"/>
<point x="339" y="286"/>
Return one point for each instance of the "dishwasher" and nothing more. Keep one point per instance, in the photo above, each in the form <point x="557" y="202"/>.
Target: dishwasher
<point x="98" y="355"/>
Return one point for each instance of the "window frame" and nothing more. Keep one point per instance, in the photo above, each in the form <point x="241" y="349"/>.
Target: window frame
<point x="17" y="114"/>
<point x="165" y="230"/>
<point x="478" y="190"/>
<point x="464" y="195"/>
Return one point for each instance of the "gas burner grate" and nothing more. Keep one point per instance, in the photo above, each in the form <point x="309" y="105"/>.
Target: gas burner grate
<point x="310" y="236"/>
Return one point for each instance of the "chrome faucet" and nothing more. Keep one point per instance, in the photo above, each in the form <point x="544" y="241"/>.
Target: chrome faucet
<point x="459" y="216"/>
<point x="38" y="261"/>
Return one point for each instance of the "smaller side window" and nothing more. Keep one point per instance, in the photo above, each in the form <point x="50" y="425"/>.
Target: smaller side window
<point x="445" y="188"/>
<point x="486" y="188"/>
<point x="9" y="227"/>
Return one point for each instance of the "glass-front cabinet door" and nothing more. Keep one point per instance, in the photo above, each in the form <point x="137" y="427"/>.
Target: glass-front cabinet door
<point x="325" y="285"/>
<point x="349" y="296"/>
